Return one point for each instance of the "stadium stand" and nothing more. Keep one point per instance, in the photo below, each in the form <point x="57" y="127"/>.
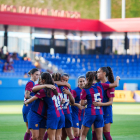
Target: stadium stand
<point x="20" y="68"/>
<point x="126" y="66"/>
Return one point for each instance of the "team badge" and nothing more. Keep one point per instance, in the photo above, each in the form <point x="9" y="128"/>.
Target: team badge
<point x="77" y="124"/>
<point x="36" y="125"/>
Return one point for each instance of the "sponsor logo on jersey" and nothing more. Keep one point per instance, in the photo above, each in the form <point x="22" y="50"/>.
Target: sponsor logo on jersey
<point x="77" y="124"/>
<point x="38" y="93"/>
<point x="111" y="92"/>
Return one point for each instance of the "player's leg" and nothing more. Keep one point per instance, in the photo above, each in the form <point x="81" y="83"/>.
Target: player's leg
<point x="64" y="134"/>
<point x="98" y="126"/>
<point x="68" y="126"/>
<point x="41" y="133"/>
<point x="27" y="134"/>
<point x="80" y="131"/>
<point x="106" y="131"/>
<point x="93" y="133"/>
<point x="76" y="132"/>
<point x="75" y="128"/>
<point x="42" y="128"/>
<point x="58" y="134"/>
<point x="69" y="133"/>
<point x="84" y="132"/>
<point x="99" y="132"/>
<point x="35" y="134"/>
<point x="51" y="133"/>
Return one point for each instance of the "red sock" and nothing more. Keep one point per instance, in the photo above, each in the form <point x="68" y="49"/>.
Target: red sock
<point x="94" y="135"/>
<point x="77" y="138"/>
<point x="30" y="134"/>
<point x="107" y="135"/>
<point x="45" y="136"/>
<point x="27" y="136"/>
<point x="31" y="139"/>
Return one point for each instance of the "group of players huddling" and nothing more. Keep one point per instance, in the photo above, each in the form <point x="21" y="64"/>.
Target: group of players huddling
<point x="53" y="105"/>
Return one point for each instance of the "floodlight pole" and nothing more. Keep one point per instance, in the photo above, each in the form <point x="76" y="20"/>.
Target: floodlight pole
<point x="123" y="9"/>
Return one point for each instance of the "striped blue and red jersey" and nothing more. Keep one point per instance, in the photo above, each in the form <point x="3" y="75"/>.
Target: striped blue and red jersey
<point x="28" y="87"/>
<point x="66" y="106"/>
<point x="51" y="101"/>
<point x="75" y="110"/>
<point x="94" y="93"/>
<point x="59" y="100"/>
<point x="39" y="106"/>
<point x="108" y="93"/>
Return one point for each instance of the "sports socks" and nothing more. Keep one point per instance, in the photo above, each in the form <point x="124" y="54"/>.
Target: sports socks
<point x="94" y="135"/>
<point x="30" y="134"/>
<point x="45" y="136"/>
<point x="107" y="136"/>
<point x="31" y="139"/>
<point x="27" y="136"/>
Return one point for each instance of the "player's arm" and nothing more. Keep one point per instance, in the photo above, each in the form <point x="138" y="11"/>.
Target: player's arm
<point x="83" y="102"/>
<point x="78" y="105"/>
<point x="59" y="83"/>
<point x="27" y="94"/>
<point x="66" y="91"/>
<point x="30" y="100"/>
<point x="115" y="84"/>
<point x="39" y="87"/>
<point x="110" y="102"/>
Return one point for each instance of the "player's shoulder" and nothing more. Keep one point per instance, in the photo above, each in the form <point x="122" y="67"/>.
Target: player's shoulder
<point x="30" y="83"/>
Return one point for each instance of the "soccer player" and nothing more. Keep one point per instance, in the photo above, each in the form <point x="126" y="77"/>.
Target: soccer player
<point x="34" y="74"/>
<point x="51" y="99"/>
<point x="77" y="109"/>
<point x="103" y="74"/>
<point x="67" y="131"/>
<point x="93" y="114"/>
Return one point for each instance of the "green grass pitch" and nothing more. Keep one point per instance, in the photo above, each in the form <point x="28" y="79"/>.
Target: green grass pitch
<point x="126" y="124"/>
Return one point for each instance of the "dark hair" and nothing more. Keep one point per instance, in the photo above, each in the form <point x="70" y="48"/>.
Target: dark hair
<point x="82" y="76"/>
<point x="48" y="80"/>
<point x="109" y="73"/>
<point x="90" y="77"/>
<point x="56" y="76"/>
<point x="95" y="76"/>
<point x="65" y="74"/>
<point x="32" y="71"/>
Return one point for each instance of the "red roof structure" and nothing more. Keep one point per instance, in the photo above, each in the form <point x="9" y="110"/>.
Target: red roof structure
<point x="110" y="25"/>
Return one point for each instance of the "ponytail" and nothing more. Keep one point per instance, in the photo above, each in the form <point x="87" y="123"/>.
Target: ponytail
<point x="110" y="75"/>
<point x="90" y="78"/>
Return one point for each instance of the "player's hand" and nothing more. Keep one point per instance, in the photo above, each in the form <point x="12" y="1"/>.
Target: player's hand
<point x="63" y="101"/>
<point x="97" y="103"/>
<point x="51" y="87"/>
<point x="25" y="103"/>
<point x="80" y="107"/>
<point x="68" y="85"/>
<point x="118" y="78"/>
<point x="66" y="91"/>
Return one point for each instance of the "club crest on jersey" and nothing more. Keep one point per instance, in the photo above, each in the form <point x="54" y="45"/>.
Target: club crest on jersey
<point x="77" y="124"/>
<point x="36" y="125"/>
